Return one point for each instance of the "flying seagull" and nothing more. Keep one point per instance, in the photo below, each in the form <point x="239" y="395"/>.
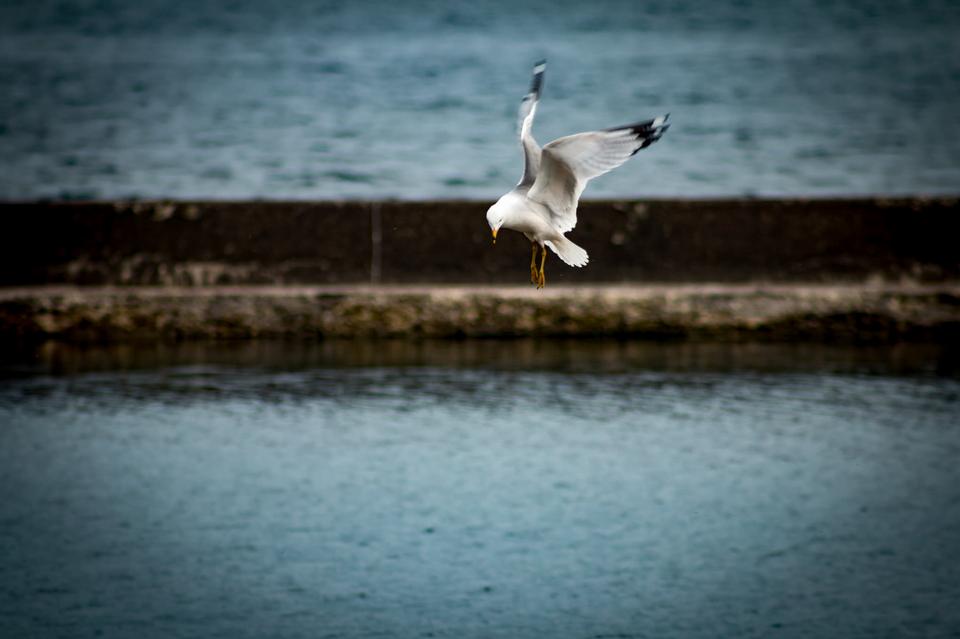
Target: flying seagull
<point x="543" y="205"/>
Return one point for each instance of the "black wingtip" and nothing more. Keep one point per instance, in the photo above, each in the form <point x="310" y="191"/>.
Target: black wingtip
<point x="648" y="135"/>
<point x="537" y="83"/>
<point x="644" y="127"/>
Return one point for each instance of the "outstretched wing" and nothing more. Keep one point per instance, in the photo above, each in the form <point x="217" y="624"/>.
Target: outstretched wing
<point x="568" y="163"/>
<point x="528" y="108"/>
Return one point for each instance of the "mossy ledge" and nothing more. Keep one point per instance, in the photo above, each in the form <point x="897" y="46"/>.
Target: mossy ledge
<point x="781" y="312"/>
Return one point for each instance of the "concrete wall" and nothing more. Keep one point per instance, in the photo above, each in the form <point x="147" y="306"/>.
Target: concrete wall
<point x="202" y="243"/>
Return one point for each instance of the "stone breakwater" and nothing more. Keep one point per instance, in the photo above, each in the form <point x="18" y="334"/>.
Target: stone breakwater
<point x="412" y="243"/>
<point x="722" y="311"/>
<point x="775" y="269"/>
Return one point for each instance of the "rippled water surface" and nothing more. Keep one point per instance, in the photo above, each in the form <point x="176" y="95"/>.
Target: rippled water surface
<point x="319" y="99"/>
<point x="492" y="489"/>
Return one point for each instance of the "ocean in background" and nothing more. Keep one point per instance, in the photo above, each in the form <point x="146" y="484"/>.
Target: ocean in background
<point x="313" y="99"/>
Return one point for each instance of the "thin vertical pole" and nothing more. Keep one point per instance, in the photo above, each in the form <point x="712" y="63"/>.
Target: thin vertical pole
<point x="376" y="237"/>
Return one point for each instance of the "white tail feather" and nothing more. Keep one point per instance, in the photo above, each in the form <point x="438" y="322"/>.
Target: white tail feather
<point x="569" y="252"/>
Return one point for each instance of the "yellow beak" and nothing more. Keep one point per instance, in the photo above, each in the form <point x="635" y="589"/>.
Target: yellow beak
<point x="494" y="236"/>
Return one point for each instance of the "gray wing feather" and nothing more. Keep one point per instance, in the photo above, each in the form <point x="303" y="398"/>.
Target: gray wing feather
<point x="568" y="163"/>
<point x="528" y="109"/>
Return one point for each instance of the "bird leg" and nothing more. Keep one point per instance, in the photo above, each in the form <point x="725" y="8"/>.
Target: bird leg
<point x="534" y="276"/>
<point x="543" y="258"/>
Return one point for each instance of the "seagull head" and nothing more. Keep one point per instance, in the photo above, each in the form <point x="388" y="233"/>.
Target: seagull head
<point x="495" y="219"/>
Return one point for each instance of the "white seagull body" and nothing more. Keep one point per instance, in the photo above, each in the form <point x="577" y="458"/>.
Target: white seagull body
<point x="543" y="205"/>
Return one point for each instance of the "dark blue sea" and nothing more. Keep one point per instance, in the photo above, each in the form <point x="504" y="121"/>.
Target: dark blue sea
<point x="320" y="99"/>
<point x="480" y="490"/>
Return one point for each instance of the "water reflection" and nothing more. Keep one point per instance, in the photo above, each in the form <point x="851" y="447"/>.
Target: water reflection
<point x="470" y="372"/>
<point x="592" y="356"/>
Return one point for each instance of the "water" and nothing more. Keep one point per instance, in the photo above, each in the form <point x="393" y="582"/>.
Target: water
<point x="494" y="489"/>
<point x="312" y="99"/>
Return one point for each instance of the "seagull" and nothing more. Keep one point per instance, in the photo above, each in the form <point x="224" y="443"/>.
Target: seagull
<point x="543" y="205"/>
